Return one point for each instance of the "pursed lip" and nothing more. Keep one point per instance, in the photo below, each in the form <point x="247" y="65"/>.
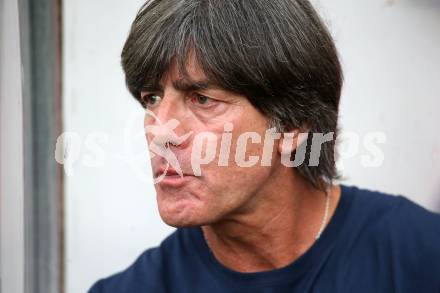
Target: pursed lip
<point x="171" y="178"/>
<point x="169" y="172"/>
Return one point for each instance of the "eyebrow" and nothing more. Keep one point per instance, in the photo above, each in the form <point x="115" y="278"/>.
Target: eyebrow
<point x="184" y="85"/>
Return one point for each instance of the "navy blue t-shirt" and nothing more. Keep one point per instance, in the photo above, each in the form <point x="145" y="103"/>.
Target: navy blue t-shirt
<point x="375" y="242"/>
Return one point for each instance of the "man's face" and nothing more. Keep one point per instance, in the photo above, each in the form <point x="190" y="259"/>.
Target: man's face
<point x="219" y="191"/>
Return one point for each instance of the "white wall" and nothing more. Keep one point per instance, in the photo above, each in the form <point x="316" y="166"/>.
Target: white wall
<point x="390" y="55"/>
<point x="13" y="248"/>
<point x="111" y="215"/>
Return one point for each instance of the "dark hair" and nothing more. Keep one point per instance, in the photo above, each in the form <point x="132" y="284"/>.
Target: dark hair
<point x="277" y="53"/>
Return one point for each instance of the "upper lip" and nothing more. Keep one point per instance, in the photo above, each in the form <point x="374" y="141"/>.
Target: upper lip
<point x="169" y="172"/>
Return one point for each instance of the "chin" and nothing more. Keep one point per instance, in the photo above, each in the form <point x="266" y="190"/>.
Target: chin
<point x="181" y="213"/>
<point x="180" y="221"/>
<point x="188" y="206"/>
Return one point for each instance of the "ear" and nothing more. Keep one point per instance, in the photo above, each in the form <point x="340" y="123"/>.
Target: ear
<point x="291" y="140"/>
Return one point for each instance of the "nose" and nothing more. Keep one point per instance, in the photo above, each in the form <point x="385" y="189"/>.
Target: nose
<point x="164" y="134"/>
<point x="166" y="128"/>
<point x="168" y="108"/>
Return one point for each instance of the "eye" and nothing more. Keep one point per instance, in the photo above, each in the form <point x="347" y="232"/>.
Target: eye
<point x="150" y="100"/>
<point x="201" y="100"/>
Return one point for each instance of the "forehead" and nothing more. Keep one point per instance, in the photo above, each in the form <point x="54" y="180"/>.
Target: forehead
<point x="190" y="78"/>
<point x="192" y="70"/>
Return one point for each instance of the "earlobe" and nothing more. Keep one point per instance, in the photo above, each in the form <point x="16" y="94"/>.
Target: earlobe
<point x="290" y="141"/>
<point x="286" y="144"/>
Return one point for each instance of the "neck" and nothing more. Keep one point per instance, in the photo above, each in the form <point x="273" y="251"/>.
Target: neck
<point x="273" y="230"/>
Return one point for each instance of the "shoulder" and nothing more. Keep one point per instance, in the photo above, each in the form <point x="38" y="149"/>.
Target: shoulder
<point x="145" y="274"/>
<point x="418" y="228"/>
<point x="395" y="209"/>
<point x="397" y="214"/>
<point x="134" y="278"/>
<point x="400" y="232"/>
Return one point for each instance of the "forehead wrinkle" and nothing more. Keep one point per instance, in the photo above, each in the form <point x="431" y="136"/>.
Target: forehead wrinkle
<point x="186" y="79"/>
<point x="182" y="85"/>
<point x="152" y="86"/>
<point x="186" y="85"/>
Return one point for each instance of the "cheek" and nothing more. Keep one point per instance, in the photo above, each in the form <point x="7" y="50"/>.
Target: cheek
<point x="148" y="124"/>
<point x="236" y="182"/>
<point x="238" y="164"/>
<point x="232" y="185"/>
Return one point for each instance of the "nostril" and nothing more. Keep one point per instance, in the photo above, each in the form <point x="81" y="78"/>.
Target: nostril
<point x="170" y="143"/>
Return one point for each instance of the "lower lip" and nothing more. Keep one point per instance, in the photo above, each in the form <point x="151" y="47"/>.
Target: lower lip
<point x="174" y="180"/>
